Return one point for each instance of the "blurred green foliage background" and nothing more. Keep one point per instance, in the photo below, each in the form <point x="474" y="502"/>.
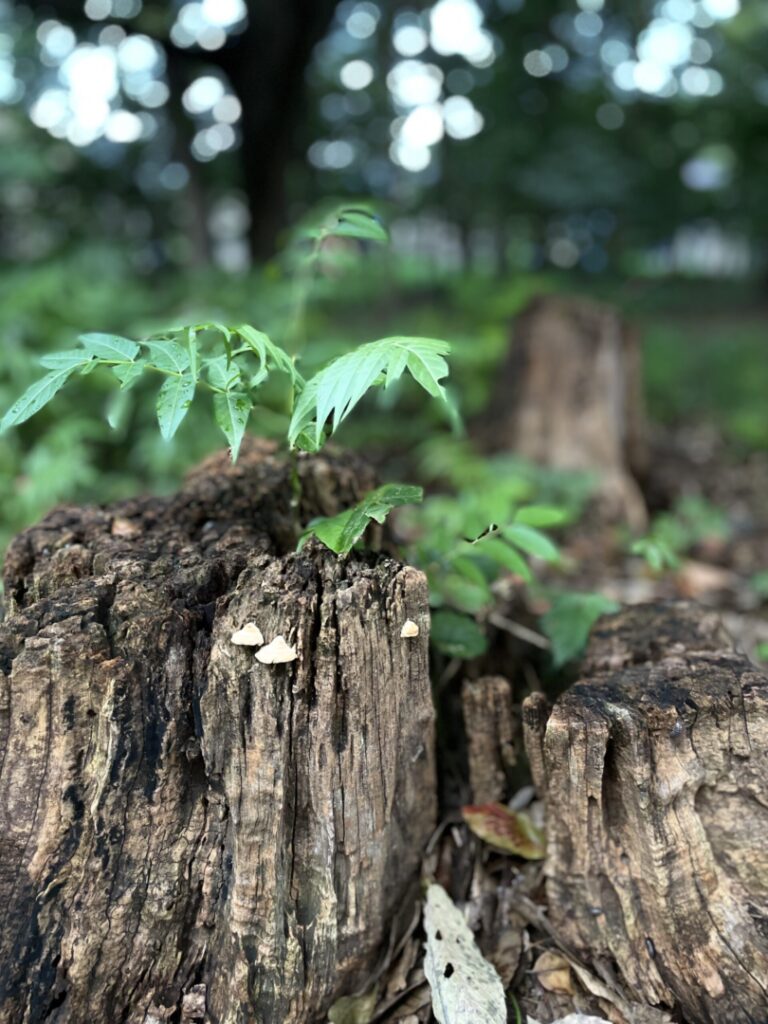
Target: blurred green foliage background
<point x="153" y="157"/>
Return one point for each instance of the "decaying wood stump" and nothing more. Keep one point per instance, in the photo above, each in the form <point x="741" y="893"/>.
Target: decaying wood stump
<point x="489" y="727"/>
<point x="571" y="396"/>
<point x="655" y="773"/>
<point x="182" y="828"/>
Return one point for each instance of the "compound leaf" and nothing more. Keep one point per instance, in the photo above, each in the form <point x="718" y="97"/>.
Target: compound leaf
<point x="340" y="533"/>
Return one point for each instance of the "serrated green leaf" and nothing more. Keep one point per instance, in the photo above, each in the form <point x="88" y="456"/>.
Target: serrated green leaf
<point x="129" y="373"/>
<point x="35" y="397"/>
<point x="335" y="391"/>
<point x="232" y="410"/>
<point x="532" y="541"/>
<point x="569" y="620"/>
<point x="542" y="515"/>
<point x="173" y="402"/>
<point x="72" y="359"/>
<point x="168" y="355"/>
<point x="110" y="347"/>
<point x="457" y="635"/>
<point x="192" y="351"/>
<point x="265" y="350"/>
<point x="340" y="533"/>
<point x="223" y="374"/>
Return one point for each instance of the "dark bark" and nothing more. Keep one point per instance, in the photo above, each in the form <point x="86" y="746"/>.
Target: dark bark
<point x="655" y="776"/>
<point x="181" y="825"/>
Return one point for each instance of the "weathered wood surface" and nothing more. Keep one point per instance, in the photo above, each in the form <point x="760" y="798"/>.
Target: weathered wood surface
<point x="570" y="396"/>
<point x="182" y="827"/>
<point x="655" y="774"/>
<point x="489" y="727"/>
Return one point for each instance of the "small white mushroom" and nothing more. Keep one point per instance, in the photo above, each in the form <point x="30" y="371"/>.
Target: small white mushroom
<point x="249" y="636"/>
<point x="277" y="652"/>
<point x="409" y="628"/>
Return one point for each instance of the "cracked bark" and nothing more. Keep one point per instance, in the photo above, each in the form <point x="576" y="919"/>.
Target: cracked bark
<point x="183" y="830"/>
<point x="655" y="774"/>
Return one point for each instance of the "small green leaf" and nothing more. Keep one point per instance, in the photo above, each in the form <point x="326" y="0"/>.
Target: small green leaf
<point x="173" y="402"/>
<point x="266" y="350"/>
<point x="129" y="373"/>
<point x="168" y="355"/>
<point x="35" y="397"/>
<point x="341" y="532"/>
<point x="232" y="410"/>
<point x="223" y="374"/>
<point x="457" y="635"/>
<point x="110" y="347"/>
<point x="569" y="620"/>
<point x="462" y="593"/>
<point x="360" y="224"/>
<point x="542" y="515"/>
<point x="335" y="391"/>
<point x="656" y="552"/>
<point x="505" y="555"/>
<point x="532" y="541"/>
<point x="73" y="359"/>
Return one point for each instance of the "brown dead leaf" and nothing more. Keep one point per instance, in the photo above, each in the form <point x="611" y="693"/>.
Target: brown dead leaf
<point x="554" y="973"/>
<point x="508" y="831"/>
<point x="696" y="579"/>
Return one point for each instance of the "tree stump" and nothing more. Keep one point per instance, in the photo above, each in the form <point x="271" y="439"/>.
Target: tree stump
<point x="655" y="773"/>
<point x="489" y="727"/>
<point x="185" y="831"/>
<point x="570" y="396"/>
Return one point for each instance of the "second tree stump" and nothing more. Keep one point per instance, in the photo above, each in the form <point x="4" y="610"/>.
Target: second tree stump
<point x="655" y="772"/>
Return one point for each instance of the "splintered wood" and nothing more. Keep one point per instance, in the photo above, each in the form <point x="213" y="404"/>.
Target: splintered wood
<point x="655" y="774"/>
<point x="188" y="833"/>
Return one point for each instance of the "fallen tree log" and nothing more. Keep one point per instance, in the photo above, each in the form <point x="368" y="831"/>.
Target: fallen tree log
<point x="183" y="829"/>
<point x="654" y="769"/>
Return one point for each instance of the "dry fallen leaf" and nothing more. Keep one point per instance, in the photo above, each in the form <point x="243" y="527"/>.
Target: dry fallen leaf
<point x="553" y="973"/>
<point x="505" y="830"/>
<point x="409" y="628"/>
<point x="277" y="652"/>
<point x="249" y="636"/>
<point x="465" y="987"/>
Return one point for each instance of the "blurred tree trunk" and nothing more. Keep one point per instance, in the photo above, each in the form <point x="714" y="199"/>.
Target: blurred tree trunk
<point x="267" y="69"/>
<point x="266" y="65"/>
<point x="570" y="396"/>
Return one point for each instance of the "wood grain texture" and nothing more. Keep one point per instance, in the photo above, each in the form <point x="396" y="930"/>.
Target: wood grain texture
<point x="656" y="781"/>
<point x="489" y="726"/>
<point x="184" y="830"/>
